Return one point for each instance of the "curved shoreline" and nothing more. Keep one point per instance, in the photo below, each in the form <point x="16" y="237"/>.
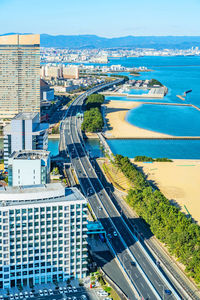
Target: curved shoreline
<point x="118" y="127"/>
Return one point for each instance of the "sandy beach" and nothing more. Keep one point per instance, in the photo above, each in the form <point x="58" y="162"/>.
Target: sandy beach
<point x="118" y="127"/>
<point x="178" y="181"/>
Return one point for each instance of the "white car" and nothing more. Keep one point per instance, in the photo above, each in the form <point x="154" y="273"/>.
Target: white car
<point x="1" y="297"/>
<point x="74" y="289"/>
<point x="114" y="233"/>
<point x="16" y="296"/>
<point x="41" y="293"/>
<point x="21" y="296"/>
<point x="45" y="293"/>
<point x="26" y="295"/>
<point x="50" y="292"/>
<point x="31" y="295"/>
<point x="11" y="297"/>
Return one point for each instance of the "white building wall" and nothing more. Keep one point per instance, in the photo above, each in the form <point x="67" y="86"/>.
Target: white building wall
<point x="26" y="172"/>
<point x="43" y="241"/>
<point x="16" y="132"/>
<point x="28" y="134"/>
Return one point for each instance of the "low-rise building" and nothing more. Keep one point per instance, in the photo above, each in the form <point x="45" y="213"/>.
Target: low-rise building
<point x="43" y="235"/>
<point x="46" y="93"/>
<point x="25" y="132"/>
<point x="29" y="167"/>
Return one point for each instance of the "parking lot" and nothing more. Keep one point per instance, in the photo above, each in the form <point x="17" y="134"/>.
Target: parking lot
<point x="68" y="293"/>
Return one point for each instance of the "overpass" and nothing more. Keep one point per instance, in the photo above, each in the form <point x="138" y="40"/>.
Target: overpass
<point x="144" y="276"/>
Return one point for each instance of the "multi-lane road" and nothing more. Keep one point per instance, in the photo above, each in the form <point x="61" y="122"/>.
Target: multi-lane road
<point x="142" y="273"/>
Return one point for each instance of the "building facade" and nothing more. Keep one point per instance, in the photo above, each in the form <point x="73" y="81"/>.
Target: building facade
<point x="29" y="167"/>
<point x="43" y="235"/>
<point x="25" y="132"/>
<point x="19" y="75"/>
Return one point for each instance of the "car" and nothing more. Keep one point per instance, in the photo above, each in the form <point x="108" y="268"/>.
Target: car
<point x="133" y="263"/>
<point x="21" y="296"/>
<point x="61" y="292"/>
<point x="70" y="290"/>
<point x="64" y="288"/>
<point x="31" y="295"/>
<point x="41" y="293"/>
<point x="11" y="297"/>
<point x="26" y="295"/>
<point x="50" y="292"/>
<point x="168" y="292"/>
<point x="114" y="233"/>
<point x="1" y="297"/>
<point x="74" y="289"/>
<point x="83" y="297"/>
<point x="45" y="293"/>
<point x="16" y="296"/>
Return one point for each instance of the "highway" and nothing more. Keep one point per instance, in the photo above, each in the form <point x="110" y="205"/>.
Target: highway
<point x="142" y="273"/>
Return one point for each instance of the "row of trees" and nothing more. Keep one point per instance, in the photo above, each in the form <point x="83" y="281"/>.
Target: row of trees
<point x="166" y="221"/>
<point x="150" y="159"/>
<point x="94" y="100"/>
<point x="153" y="82"/>
<point x="93" y="120"/>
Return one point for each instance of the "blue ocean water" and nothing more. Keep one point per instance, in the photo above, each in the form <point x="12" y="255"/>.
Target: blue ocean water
<point x="173" y="120"/>
<point x="174" y="149"/>
<point x="178" y="74"/>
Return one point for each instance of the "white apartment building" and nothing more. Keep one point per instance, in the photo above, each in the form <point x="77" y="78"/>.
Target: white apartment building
<point x="43" y="235"/>
<point x="71" y="71"/>
<point x="25" y="132"/>
<point x="29" y="167"/>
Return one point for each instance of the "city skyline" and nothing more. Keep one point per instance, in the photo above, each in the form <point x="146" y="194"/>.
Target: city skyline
<point x="142" y="18"/>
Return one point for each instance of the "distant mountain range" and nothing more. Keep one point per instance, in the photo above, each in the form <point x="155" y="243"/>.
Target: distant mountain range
<point x="93" y="41"/>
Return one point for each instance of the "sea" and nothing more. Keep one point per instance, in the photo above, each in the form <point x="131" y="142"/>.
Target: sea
<point x="179" y="74"/>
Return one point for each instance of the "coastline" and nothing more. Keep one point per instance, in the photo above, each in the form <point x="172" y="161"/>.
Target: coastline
<point x="118" y="127"/>
<point x="178" y="181"/>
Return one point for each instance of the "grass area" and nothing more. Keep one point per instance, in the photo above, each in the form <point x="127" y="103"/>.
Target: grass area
<point x="115" y="176"/>
<point x="105" y="286"/>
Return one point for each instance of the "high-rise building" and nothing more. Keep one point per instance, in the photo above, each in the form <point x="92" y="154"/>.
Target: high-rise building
<point x="25" y="132"/>
<point x="19" y="75"/>
<point x="43" y="235"/>
<point x="29" y="167"/>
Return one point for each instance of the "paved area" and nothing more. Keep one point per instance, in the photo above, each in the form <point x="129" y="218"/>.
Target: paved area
<point x="81" y="294"/>
<point x="102" y="256"/>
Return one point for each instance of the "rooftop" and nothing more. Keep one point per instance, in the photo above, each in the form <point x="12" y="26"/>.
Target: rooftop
<point x="35" y="194"/>
<point x="30" y="154"/>
<point x="20" y="39"/>
<point x="25" y="116"/>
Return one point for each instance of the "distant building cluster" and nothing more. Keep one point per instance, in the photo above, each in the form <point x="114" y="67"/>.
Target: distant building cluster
<point x="51" y="55"/>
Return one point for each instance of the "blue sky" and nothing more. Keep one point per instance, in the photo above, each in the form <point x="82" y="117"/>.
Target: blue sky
<point x="109" y="18"/>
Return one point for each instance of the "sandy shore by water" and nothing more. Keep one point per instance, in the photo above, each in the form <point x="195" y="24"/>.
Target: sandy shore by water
<point x="178" y="181"/>
<point x="118" y="127"/>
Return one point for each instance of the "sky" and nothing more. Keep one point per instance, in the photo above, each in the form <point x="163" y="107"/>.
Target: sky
<point x="107" y="18"/>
